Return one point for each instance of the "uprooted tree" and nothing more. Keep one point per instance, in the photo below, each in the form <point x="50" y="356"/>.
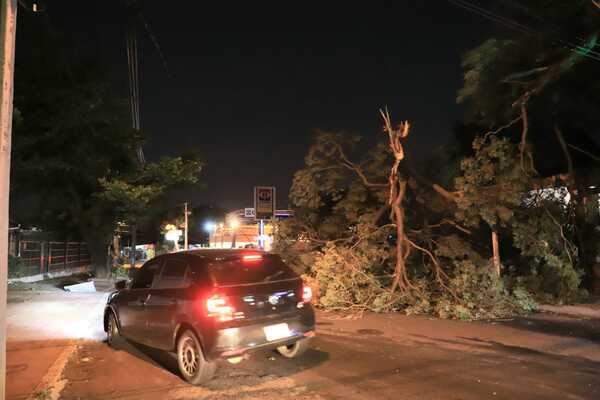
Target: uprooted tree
<point x="407" y="243"/>
<point x="381" y="234"/>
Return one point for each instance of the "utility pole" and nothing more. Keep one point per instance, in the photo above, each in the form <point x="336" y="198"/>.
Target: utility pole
<point x="221" y="227"/>
<point x="133" y="244"/>
<point x="185" y="223"/>
<point x="8" y="27"/>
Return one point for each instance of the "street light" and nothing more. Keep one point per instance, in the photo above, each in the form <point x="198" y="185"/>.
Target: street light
<point x="209" y="226"/>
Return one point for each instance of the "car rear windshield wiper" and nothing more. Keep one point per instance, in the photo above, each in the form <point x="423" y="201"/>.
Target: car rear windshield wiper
<point x="268" y="278"/>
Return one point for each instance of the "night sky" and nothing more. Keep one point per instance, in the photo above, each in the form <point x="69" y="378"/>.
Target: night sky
<point x="249" y="101"/>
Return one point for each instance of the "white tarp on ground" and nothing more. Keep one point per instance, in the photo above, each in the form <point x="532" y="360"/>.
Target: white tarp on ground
<point x="85" y="287"/>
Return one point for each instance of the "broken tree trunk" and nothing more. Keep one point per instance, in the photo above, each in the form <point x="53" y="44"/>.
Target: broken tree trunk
<point x="496" y="253"/>
<point x="397" y="187"/>
<point x="400" y="275"/>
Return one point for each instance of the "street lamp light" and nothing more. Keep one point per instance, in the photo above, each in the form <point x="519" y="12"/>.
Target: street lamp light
<point x="173" y="234"/>
<point x="209" y="226"/>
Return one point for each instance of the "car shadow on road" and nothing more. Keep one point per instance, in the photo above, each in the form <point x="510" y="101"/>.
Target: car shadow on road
<point x="162" y="359"/>
<point x="262" y="366"/>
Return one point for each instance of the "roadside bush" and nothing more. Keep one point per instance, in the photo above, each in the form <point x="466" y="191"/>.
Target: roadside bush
<point x="118" y="271"/>
<point x="346" y="279"/>
<point x="473" y="289"/>
<point x="547" y="263"/>
<point x="15" y="267"/>
<point x="477" y="293"/>
<point x="357" y="278"/>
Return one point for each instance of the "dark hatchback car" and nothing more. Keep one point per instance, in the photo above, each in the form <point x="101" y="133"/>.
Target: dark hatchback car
<point x="211" y="304"/>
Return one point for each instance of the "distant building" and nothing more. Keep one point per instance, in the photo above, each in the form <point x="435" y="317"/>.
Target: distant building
<point x="241" y="231"/>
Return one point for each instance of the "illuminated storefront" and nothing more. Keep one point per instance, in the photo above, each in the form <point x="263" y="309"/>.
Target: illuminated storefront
<point x="242" y="231"/>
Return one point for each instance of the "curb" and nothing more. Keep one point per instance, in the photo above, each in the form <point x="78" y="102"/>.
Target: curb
<point x="581" y="311"/>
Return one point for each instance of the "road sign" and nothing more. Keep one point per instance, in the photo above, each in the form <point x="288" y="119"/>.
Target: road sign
<point x="264" y="202"/>
<point x="249" y="213"/>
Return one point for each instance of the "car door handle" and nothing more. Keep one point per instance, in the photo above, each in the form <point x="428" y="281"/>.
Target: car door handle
<point x="145" y="301"/>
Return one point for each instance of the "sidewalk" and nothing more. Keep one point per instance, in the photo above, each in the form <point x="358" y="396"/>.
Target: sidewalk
<point x="43" y="330"/>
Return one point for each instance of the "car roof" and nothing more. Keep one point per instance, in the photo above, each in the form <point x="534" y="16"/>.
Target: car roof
<point x="214" y="254"/>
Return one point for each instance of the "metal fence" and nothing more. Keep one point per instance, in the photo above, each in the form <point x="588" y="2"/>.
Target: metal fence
<point x="42" y="257"/>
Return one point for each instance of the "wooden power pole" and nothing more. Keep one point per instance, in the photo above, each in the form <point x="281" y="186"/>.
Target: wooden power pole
<point x="8" y="26"/>
<point x="185" y="224"/>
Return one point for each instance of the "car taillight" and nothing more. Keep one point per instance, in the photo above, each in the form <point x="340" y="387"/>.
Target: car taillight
<point x="219" y="308"/>
<point x="306" y="293"/>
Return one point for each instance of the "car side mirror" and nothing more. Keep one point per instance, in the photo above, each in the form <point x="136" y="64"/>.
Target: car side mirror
<point x="120" y="285"/>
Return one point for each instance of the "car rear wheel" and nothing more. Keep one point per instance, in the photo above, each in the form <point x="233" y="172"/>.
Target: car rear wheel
<point x="294" y="350"/>
<point x="112" y="331"/>
<point x="194" y="368"/>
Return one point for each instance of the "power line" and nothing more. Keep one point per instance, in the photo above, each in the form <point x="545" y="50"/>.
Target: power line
<point x="134" y="87"/>
<point x="135" y="15"/>
<point x="581" y="50"/>
<point x="155" y="42"/>
<point x="586" y="52"/>
<point x="491" y="16"/>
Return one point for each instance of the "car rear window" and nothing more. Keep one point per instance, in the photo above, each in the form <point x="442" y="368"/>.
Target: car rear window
<point x="254" y="269"/>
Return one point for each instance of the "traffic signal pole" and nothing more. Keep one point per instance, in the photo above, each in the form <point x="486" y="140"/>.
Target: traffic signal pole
<point x="8" y="26"/>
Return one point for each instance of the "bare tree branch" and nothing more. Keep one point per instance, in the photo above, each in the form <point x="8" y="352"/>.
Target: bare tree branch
<point x="523" y="146"/>
<point x="440" y="276"/>
<point x="565" y="149"/>
<point x="450" y="222"/>
<point x="503" y="127"/>
<point x="587" y="153"/>
<point x="451" y="196"/>
<point x="361" y="238"/>
<point x="346" y="163"/>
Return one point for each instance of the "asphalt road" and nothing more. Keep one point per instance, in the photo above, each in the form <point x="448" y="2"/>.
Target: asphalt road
<point x="376" y="357"/>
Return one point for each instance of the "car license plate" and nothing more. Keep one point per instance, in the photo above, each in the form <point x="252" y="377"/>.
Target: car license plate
<point x="276" y="332"/>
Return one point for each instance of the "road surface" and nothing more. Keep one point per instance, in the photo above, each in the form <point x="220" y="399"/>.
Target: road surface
<point x="56" y="350"/>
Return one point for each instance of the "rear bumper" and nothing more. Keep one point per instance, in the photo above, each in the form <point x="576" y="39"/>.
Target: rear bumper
<point x="234" y="342"/>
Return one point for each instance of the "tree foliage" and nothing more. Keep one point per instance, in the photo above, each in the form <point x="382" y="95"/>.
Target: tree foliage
<point x="131" y="196"/>
<point x="344" y="239"/>
<point x="491" y="184"/>
<point x="538" y="91"/>
<point x="73" y="157"/>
